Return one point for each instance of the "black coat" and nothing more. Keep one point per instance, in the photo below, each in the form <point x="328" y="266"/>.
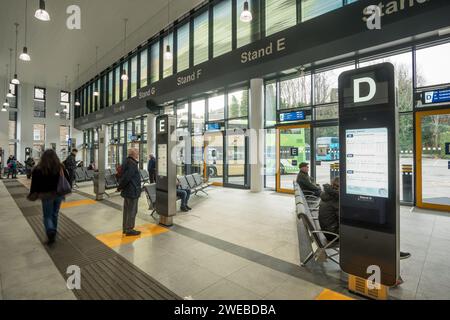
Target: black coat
<point x="151" y="165"/>
<point x="130" y="179"/>
<point x="45" y="186"/>
<point x="304" y="181"/>
<point x="329" y="210"/>
<point x="71" y="164"/>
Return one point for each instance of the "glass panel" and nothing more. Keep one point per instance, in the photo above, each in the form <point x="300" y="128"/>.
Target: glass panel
<point x="403" y="77"/>
<point x="154" y="63"/>
<point x="182" y="115"/>
<point x="236" y="147"/>
<point x="238" y="123"/>
<point x="110" y="88"/>
<point x="168" y="58"/>
<point x="293" y="141"/>
<point x="280" y="15"/>
<point x="246" y="32"/>
<point x="295" y="93"/>
<point x="134" y="76"/>
<point x="314" y="8"/>
<point x="271" y="104"/>
<point x="406" y="136"/>
<point x="270" y="156"/>
<point x="214" y="156"/>
<point x="222" y="28"/>
<point x="201" y="37"/>
<point x="435" y="163"/>
<point x="238" y="104"/>
<point x="326" y="85"/>
<point x="433" y="65"/>
<point x="327" y="153"/>
<point x="198" y="116"/>
<point x="169" y="110"/>
<point x="197" y="154"/>
<point x="117" y="85"/>
<point x="183" y="47"/>
<point x="125" y="83"/>
<point x="326" y="112"/>
<point x="216" y="108"/>
<point x="144" y="68"/>
<point x="182" y="149"/>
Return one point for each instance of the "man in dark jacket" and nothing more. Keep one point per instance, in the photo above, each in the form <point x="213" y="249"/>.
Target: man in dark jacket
<point x="329" y="209"/>
<point x="151" y="168"/>
<point x="130" y="187"/>
<point x="304" y="180"/>
<point x="71" y="165"/>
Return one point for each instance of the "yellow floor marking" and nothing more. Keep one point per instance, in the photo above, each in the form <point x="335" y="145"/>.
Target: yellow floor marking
<point x="327" y="294"/>
<point x="78" y="203"/>
<point x="116" y="239"/>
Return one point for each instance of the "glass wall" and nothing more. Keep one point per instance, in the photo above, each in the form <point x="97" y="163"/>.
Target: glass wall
<point x="117" y="85"/>
<point x="183" y="38"/>
<point x="280" y="15"/>
<point x="143" y="70"/>
<point x="216" y="108"/>
<point x="201" y="38"/>
<point x="168" y="55"/>
<point x="222" y="28"/>
<point x="134" y="75"/>
<point x="431" y="69"/>
<point x="154" y="62"/>
<point x="314" y="8"/>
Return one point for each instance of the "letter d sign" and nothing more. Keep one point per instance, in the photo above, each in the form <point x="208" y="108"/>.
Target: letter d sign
<point x="357" y="89"/>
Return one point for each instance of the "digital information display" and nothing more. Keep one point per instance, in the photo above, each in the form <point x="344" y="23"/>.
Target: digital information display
<point x="292" y="116"/>
<point x="367" y="162"/>
<point x="213" y="126"/>
<point x="162" y="160"/>
<point x="437" y="96"/>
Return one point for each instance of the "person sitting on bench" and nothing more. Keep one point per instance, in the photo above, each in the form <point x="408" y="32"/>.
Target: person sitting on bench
<point x="184" y="195"/>
<point x="304" y="180"/>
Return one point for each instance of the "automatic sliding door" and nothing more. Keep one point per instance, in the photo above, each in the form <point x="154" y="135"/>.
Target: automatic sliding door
<point x="236" y="146"/>
<point x="214" y="157"/>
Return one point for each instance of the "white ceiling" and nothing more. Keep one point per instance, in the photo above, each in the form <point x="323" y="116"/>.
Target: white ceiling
<point x="55" y="50"/>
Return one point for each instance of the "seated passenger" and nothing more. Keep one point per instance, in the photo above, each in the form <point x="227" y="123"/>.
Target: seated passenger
<point x="329" y="209"/>
<point x="304" y="180"/>
<point x="184" y="195"/>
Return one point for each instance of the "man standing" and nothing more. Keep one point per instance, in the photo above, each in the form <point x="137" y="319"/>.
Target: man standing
<point x="130" y="187"/>
<point x="304" y="180"/>
<point x="151" y="168"/>
<point x="71" y="165"/>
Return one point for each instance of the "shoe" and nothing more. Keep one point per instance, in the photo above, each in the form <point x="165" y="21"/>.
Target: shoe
<point x="184" y="209"/>
<point x="189" y="208"/>
<point x="399" y="282"/>
<point x="51" y="238"/>
<point x="132" y="233"/>
<point x="404" y="255"/>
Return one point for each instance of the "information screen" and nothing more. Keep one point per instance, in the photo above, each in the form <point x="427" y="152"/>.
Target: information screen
<point x="162" y="160"/>
<point x="437" y="96"/>
<point x="292" y="116"/>
<point x="367" y="162"/>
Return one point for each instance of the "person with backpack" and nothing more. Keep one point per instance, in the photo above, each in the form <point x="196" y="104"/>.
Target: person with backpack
<point x="49" y="183"/>
<point x="71" y="165"/>
<point x="12" y="167"/>
<point x="130" y="190"/>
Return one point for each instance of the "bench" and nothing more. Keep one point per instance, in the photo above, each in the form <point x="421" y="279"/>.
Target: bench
<point x="193" y="182"/>
<point x="145" y="177"/>
<point x="111" y="182"/>
<point x="150" y="194"/>
<point x="80" y="175"/>
<point x="312" y="241"/>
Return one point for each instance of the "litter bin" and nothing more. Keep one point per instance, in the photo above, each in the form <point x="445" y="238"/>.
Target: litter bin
<point x="334" y="171"/>
<point x="96" y="180"/>
<point x="407" y="177"/>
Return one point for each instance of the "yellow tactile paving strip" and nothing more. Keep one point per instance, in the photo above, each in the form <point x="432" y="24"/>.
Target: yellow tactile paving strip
<point x="116" y="239"/>
<point x="328" y="294"/>
<point x="72" y="204"/>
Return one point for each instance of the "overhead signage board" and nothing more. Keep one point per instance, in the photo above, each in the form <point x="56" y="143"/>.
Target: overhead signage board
<point x="369" y="203"/>
<point x="292" y="116"/>
<point x="436" y="96"/>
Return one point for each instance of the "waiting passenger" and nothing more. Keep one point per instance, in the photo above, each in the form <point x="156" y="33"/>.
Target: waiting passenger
<point x="12" y="167"/>
<point x="184" y="195"/>
<point x="130" y="188"/>
<point x="44" y="186"/>
<point x="29" y="165"/>
<point x="92" y="166"/>
<point x="151" y="168"/>
<point x="71" y="165"/>
<point x="329" y="209"/>
<point x="304" y="180"/>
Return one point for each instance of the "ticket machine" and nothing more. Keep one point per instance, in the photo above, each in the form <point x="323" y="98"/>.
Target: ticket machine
<point x="166" y="170"/>
<point x="369" y="194"/>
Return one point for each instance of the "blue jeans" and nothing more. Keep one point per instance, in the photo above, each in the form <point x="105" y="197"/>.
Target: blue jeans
<point x="184" y="195"/>
<point x="50" y="207"/>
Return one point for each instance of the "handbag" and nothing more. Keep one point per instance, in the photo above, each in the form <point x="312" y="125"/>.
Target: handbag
<point x="63" y="187"/>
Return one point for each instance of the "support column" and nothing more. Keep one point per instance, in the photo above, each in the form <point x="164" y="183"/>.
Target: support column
<point x="99" y="185"/>
<point x="256" y="135"/>
<point x="151" y="134"/>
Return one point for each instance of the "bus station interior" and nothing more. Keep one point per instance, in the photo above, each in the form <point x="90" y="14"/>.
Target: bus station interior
<point x="241" y="239"/>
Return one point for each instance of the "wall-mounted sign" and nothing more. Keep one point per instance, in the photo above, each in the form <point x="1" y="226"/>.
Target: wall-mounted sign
<point x="214" y="126"/>
<point x="294" y="152"/>
<point x="436" y="96"/>
<point x="292" y="116"/>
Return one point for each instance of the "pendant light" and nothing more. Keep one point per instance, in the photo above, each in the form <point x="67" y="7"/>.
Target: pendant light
<point x="57" y="113"/>
<point x="77" y="101"/>
<point x="15" y="80"/>
<point x="65" y="110"/>
<point x="246" y="15"/>
<point x="8" y="73"/>
<point x="168" y="52"/>
<point x="96" y="93"/>
<point x="6" y="103"/>
<point x="24" y="55"/>
<point x="41" y="13"/>
<point x="124" y="76"/>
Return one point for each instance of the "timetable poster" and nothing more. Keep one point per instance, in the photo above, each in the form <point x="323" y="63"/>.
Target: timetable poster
<point x="162" y="160"/>
<point x="367" y="162"/>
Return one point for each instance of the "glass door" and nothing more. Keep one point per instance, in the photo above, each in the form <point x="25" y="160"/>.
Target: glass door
<point x="214" y="157"/>
<point x="293" y="148"/>
<point x="433" y="159"/>
<point x="236" y="155"/>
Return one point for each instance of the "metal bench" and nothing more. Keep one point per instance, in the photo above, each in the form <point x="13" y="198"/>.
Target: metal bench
<point x="150" y="193"/>
<point x="110" y="183"/>
<point x="200" y="183"/>
<point x="145" y="178"/>
<point x="80" y="175"/>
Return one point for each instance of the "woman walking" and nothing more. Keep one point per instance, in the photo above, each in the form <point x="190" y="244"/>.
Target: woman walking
<point x="49" y="183"/>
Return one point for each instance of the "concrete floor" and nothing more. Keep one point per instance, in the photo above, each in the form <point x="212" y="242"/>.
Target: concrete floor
<point x="233" y="245"/>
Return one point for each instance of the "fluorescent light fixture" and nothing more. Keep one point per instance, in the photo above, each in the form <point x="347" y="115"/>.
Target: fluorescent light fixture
<point x="41" y="13"/>
<point x="24" y="56"/>
<point x="246" y="15"/>
<point x="443" y="32"/>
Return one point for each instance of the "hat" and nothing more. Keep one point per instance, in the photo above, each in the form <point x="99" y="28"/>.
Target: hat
<point x="303" y="164"/>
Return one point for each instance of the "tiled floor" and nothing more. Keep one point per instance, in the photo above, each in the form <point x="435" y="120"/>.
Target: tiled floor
<point x="233" y="245"/>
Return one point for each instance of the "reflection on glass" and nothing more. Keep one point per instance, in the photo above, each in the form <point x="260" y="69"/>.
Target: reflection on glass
<point x="134" y="76"/>
<point x="433" y="65"/>
<point x="405" y="141"/>
<point x="280" y="15"/>
<point x="238" y="104"/>
<point x="295" y="93"/>
<point x="214" y="156"/>
<point x="183" y="47"/>
<point x="198" y="116"/>
<point x="246" y="32"/>
<point x="168" y="59"/>
<point x="314" y="8"/>
<point x="183" y="150"/>
<point x="125" y="83"/>
<point x="216" y="108"/>
<point x="144" y="68"/>
<point x="154" y="62"/>
<point x="236" y="147"/>
<point x="222" y="28"/>
<point x="270" y="157"/>
<point x="197" y="154"/>
<point x="271" y="104"/>
<point x="182" y="115"/>
<point x="110" y="88"/>
<point x="327" y="154"/>
<point x="201" y="37"/>
<point x="326" y="85"/>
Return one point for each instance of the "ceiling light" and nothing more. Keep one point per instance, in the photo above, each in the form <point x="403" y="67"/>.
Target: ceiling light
<point x="57" y="113"/>
<point x="77" y="103"/>
<point x="124" y="76"/>
<point x="5" y="104"/>
<point x="246" y="15"/>
<point x="41" y="13"/>
<point x="10" y="95"/>
<point x="96" y="93"/>
<point x="24" y="56"/>
<point x="168" y="53"/>
<point x="15" y="80"/>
